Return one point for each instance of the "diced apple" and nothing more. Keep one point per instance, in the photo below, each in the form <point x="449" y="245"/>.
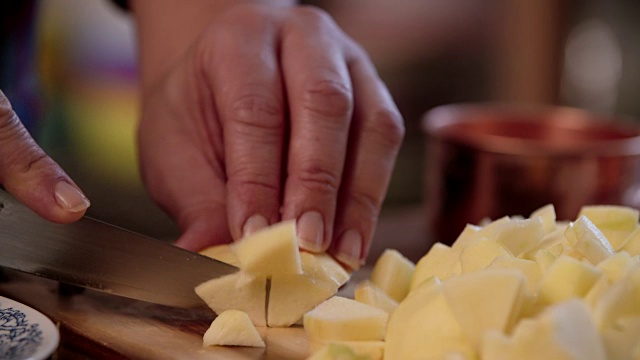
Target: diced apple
<point x="617" y="265"/>
<point x="562" y="331"/>
<point x="222" y="252"/>
<point x="478" y="255"/>
<point x="232" y="328"/>
<point x="552" y="242"/>
<point x="469" y="234"/>
<point x="424" y="327"/>
<point x="392" y="273"/>
<point x="497" y="346"/>
<point x="615" y="222"/>
<point x="440" y="261"/>
<point x="367" y="292"/>
<point x="369" y="350"/>
<point x="345" y="319"/>
<point x="567" y="278"/>
<point x="622" y="299"/>
<point x="323" y="267"/>
<point x="592" y="298"/>
<point x="587" y="239"/>
<point x="485" y="300"/>
<point x="530" y="270"/>
<point x="292" y="295"/>
<point x="518" y="236"/>
<point x="623" y="338"/>
<point x="547" y="215"/>
<point x="237" y="291"/>
<point x="544" y="258"/>
<point x="272" y="250"/>
<point x="488" y="230"/>
<point x="632" y="243"/>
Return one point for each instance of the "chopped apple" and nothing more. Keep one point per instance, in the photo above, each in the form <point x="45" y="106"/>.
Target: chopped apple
<point x="588" y="240"/>
<point x="338" y="352"/>
<point x="272" y="250"/>
<point x="530" y="269"/>
<point x="544" y="258"/>
<point x="485" y="300"/>
<point x="232" y="328"/>
<point x="518" y="236"/>
<point x="344" y="319"/>
<point x="567" y="278"/>
<point x="489" y="230"/>
<point x="367" y="292"/>
<point x="467" y="236"/>
<point x="223" y="252"/>
<point x="479" y="254"/>
<point x="440" y="261"/>
<point x="392" y="273"/>
<point x="369" y="350"/>
<point x="622" y="339"/>
<point x="323" y="267"/>
<point x="622" y="299"/>
<point x="424" y="327"/>
<point x="237" y="291"/>
<point x="497" y="346"/>
<point x="632" y="243"/>
<point x="292" y="295"/>
<point x="547" y="215"/>
<point x="593" y="296"/>
<point x="615" y="222"/>
<point x="617" y="265"/>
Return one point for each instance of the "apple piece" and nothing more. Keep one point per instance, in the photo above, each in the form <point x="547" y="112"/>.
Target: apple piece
<point x="479" y="254"/>
<point x="518" y="236"/>
<point x="617" y="265"/>
<point x="530" y="269"/>
<point x="588" y="240"/>
<point x="232" y="328"/>
<point x="593" y="296"/>
<point x="621" y="300"/>
<point x="544" y="258"/>
<point x="552" y="241"/>
<point x="497" y="346"/>
<point x="490" y="299"/>
<point x="237" y="291"/>
<point x="424" y="327"/>
<point x="615" y="222"/>
<point x="440" y="261"/>
<point x="567" y="278"/>
<point x="367" y="292"/>
<point x="369" y="350"/>
<point x="632" y="243"/>
<point x="272" y="250"/>
<point x="338" y="352"/>
<point x="222" y="252"/>
<point x="469" y="234"/>
<point x="562" y="331"/>
<point x="392" y="273"/>
<point x="323" y="267"/>
<point x="340" y="318"/>
<point x="292" y="295"/>
<point x="547" y="215"/>
<point x="489" y="230"/>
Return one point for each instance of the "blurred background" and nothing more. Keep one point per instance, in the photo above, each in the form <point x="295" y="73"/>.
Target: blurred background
<point x="583" y="53"/>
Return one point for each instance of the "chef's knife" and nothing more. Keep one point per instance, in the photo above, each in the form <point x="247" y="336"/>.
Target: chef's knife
<point x="92" y="254"/>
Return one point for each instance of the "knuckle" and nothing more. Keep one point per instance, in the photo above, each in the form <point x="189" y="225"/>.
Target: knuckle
<point x="257" y="110"/>
<point x="387" y="125"/>
<point x="318" y="179"/>
<point x="328" y="98"/>
<point x="366" y="202"/>
<point x="313" y="14"/>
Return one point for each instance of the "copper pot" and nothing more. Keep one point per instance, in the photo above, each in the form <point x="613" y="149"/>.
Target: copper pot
<point x="491" y="160"/>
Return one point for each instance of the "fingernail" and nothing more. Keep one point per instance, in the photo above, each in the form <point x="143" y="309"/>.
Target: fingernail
<point x="350" y="248"/>
<point x="310" y="231"/>
<point x="253" y="224"/>
<point x="70" y="197"/>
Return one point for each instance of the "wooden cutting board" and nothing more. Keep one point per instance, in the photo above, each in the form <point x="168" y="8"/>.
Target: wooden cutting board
<point x="99" y="326"/>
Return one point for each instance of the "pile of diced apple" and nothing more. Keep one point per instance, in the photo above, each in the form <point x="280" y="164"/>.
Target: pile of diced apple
<point x="514" y="288"/>
<point x="276" y="285"/>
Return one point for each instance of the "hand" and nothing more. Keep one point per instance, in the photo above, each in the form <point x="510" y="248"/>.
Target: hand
<point x="32" y="176"/>
<point x="272" y="114"/>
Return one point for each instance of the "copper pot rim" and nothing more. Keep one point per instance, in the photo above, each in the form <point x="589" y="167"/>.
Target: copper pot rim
<point x="451" y="123"/>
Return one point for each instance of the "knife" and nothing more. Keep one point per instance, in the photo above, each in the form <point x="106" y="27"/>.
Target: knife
<point x="93" y="254"/>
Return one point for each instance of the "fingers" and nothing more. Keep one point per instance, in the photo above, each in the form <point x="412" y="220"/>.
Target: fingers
<point x="246" y="80"/>
<point x="320" y="99"/>
<point x="376" y="136"/>
<point x="33" y="177"/>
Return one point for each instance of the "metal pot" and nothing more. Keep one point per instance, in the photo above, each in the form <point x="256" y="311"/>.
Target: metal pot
<point x="491" y="160"/>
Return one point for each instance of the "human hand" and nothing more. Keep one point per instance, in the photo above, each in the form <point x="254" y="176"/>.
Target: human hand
<point x="32" y="176"/>
<point x="273" y="114"/>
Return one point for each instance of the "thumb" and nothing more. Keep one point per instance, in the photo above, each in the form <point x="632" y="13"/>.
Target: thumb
<point x="32" y="176"/>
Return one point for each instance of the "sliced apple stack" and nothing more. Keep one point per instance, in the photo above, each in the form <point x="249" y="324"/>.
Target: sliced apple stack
<point x="276" y="284"/>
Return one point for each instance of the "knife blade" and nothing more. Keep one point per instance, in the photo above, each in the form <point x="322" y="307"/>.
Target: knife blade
<point x="93" y="254"/>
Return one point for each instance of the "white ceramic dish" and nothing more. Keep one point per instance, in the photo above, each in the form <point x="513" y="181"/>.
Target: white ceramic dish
<point x="25" y="333"/>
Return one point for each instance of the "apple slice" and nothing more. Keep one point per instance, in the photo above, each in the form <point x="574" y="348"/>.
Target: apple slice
<point x="588" y="240"/>
<point x="567" y="278"/>
<point x="232" y="328"/>
<point x="615" y="222"/>
<point x="479" y="254"/>
<point x="323" y="267"/>
<point x="518" y="236"/>
<point x="392" y="273"/>
<point x="272" y="250"/>
<point x="223" y="252"/>
<point x="547" y="215"/>
<point x="528" y="268"/>
<point x="440" y="261"/>
<point x="344" y="319"/>
<point x="237" y="291"/>
<point x="292" y="295"/>
<point x="368" y="293"/>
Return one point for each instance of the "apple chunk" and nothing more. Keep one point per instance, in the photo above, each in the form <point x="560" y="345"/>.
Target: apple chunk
<point x="232" y="328"/>
<point x="392" y="273"/>
<point x="272" y="250"/>
<point x="292" y="295"/>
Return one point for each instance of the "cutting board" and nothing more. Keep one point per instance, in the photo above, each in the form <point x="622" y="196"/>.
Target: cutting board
<point x="100" y="326"/>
